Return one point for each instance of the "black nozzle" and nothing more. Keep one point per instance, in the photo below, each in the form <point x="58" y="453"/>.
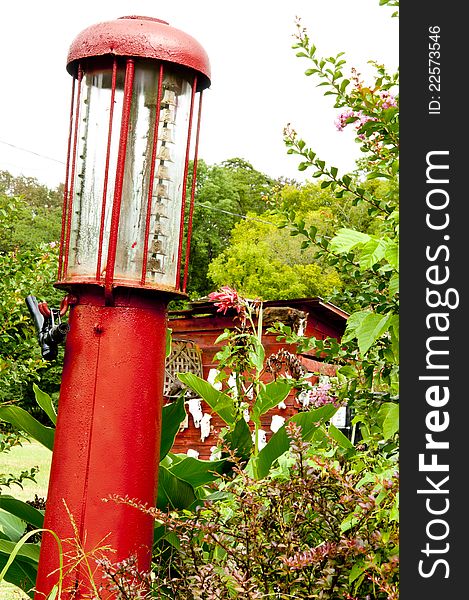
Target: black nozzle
<point x="49" y="333"/>
<point x="38" y="319"/>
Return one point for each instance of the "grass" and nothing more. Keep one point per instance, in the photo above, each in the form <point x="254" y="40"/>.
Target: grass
<point x="19" y="458"/>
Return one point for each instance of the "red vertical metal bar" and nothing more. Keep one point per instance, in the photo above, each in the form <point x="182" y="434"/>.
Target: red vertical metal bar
<point x="191" y="208"/>
<point x="184" y="185"/>
<point x="116" y="207"/>
<point x="106" y="171"/>
<point x="152" y="174"/>
<point x="66" y="187"/>
<point x="72" y="176"/>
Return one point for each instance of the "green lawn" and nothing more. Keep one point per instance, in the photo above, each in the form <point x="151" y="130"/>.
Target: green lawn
<point x="30" y="454"/>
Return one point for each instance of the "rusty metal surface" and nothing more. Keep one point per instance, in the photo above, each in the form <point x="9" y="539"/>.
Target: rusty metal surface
<point x="145" y="37"/>
<point x="107" y="437"/>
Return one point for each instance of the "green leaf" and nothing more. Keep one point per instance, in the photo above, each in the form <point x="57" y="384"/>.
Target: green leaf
<point x="394" y="284"/>
<point x="372" y="328"/>
<point x="269" y="396"/>
<point x="23" y="421"/>
<point x="392" y="254"/>
<point x="357" y="569"/>
<point x="11" y="527"/>
<point x="257" y="354"/>
<point x="389" y="413"/>
<point x="173" y="415"/>
<point x="20" y="573"/>
<point x="169" y="340"/>
<point x="372" y="253"/>
<point x="173" y="492"/>
<point x="28" y="552"/>
<point x="219" y="402"/>
<point x="45" y="402"/>
<point x="21" y="510"/>
<point x="280" y="442"/>
<point x="197" y="472"/>
<point x="240" y="440"/>
<point x="340" y="438"/>
<point x="367" y="327"/>
<point x="346" y="239"/>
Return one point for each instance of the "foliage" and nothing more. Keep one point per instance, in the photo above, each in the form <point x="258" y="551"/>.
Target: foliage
<point x="315" y="527"/>
<point x="8" y="440"/>
<point x="224" y="194"/>
<point x="263" y="260"/>
<point x="25" y="271"/>
<point x="253" y="384"/>
<point x="369" y="349"/>
<point x="34" y="212"/>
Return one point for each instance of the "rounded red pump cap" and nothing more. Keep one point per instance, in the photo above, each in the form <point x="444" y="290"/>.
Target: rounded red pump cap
<point x="143" y="37"/>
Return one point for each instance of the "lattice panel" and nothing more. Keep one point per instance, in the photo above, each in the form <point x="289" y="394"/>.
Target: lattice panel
<point x="185" y="357"/>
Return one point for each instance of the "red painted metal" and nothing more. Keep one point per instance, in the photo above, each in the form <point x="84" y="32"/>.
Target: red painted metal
<point x="191" y="207"/>
<point x="116" y="207"/>
<point x="66" y="241"/>
<point x="152" y="174"/>
<point x="140" y="37"/>
<point x="106" y="171"/>
<point x="108" y="434"/>
<point x="66" y="186"/>
<point x="184" y="186"/>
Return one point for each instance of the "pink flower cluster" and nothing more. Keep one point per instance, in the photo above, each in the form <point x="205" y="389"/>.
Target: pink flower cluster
<point x="389" y="101"/>
<point x="319" y="396"/>
<point x="226" y="298"/>
<point x="361" y="119"/>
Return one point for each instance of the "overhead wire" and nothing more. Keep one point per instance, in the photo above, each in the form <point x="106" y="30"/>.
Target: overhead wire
<point x="199" y="204"/>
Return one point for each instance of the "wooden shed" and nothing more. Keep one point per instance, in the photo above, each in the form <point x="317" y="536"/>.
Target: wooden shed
<point x="194" y="331"/>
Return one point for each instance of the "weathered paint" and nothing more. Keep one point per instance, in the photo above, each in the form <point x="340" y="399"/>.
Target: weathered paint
<point x="202" y="324"/>
<point x="146" y="37"/>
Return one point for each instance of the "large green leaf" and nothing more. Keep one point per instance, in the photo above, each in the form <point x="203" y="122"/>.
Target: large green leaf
<point x="197" y="472"/>
<point x="280" y="442"/>
<point x="22" y="511"/>
<point x="11" y="527"/>
<point x="269" y="396"/>
<point x="367" y="327"/>
<point x="45" y="402"/>
<point x="20" y="573"/>
<point x="173" y="492"/>
<point x="173" y="415"/>
<point x="392" y="254"/>
<point x="388" y="415"/>
<point x="372" y="252"/>
<point x="340" y="438"/>
<point x="346" y="239"/>
<point x="27" y="552"/>
<point x="239" y="440"/>
<point x="219" y="402"/>
<point x="23" y="421"/>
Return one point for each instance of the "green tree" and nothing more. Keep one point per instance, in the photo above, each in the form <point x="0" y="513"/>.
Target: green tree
<point x="25" y="270"/>
<point x="224" y="194"/>
<point x="35" y="212"/>
<point x="267" y="262"/>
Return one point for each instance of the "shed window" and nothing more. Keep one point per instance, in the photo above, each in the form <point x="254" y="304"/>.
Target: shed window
<point x="185" y="357"/>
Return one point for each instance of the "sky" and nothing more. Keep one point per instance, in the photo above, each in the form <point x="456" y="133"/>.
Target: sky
<point x="257" y="87"/>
